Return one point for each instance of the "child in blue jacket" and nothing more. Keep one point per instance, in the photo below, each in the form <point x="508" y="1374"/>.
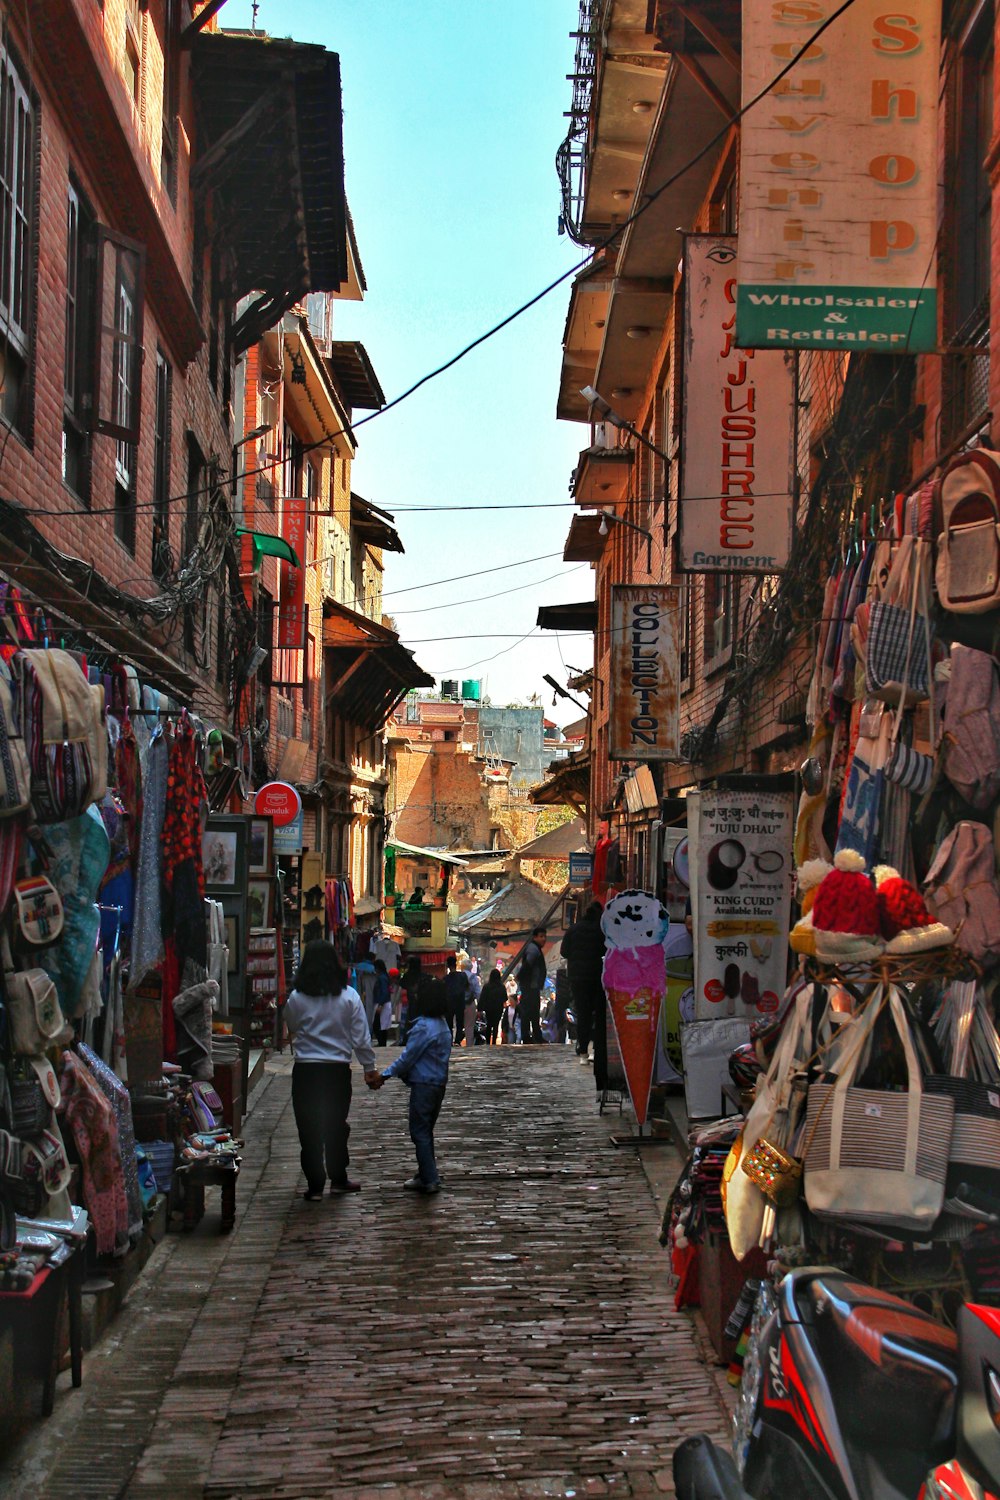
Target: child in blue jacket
<point x="423" y="1067"/>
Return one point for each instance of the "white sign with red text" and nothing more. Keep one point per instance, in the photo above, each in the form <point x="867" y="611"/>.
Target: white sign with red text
<point x="737" y="438"/>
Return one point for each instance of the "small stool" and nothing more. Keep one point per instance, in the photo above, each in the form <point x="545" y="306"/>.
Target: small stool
<point x="195" y="1177"/>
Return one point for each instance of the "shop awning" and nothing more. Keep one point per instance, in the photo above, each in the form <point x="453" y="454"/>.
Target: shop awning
<point x="440" y="856"/>
<point x="374" y="526"/>
<point x="582" y="616"/>
<point x="585" y="542"/>
<point x="265" y="545"/>
<point x="368" y="669"/>
<point x="559" y="843"/>
<point x="272" y="157"/>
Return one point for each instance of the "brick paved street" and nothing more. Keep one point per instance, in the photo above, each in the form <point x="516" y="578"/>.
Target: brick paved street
<point x="514" y="1336"/>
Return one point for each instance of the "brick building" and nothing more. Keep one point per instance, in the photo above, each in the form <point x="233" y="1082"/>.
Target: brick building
<point x="654" y="87"/>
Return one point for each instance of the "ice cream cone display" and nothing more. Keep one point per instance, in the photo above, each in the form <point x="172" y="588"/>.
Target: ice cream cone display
<point x="635" y="928"/>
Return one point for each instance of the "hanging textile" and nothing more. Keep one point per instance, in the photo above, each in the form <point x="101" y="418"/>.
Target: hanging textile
<point x="147" y="938"/>
<point x="79" y="851"/>
<point x="183" y="876"/>
<point x="128" y="776"/>
<point x="91" y="1120"/>
<point x="117" y="1096"/>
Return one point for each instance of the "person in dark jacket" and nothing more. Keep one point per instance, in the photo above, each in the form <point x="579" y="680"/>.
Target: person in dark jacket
<point x="456" y="984"/>
<point x="583" y="950"/>
<point x="531" y="977"/>
<point x="492" y="1002"/>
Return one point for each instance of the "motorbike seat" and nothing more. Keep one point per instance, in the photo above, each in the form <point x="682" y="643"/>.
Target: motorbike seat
<point x="878" y="1340"/>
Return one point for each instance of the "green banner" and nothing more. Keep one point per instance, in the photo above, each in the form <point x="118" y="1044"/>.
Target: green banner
<point x="880" y="320"/>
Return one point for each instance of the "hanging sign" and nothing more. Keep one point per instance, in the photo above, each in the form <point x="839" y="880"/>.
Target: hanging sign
<point x="288" y="836"/>
<point x="279" y="801"/>
<point x="738" y="428"/>
<point x="581" y="868"/>
<point x="643" y="722"/>
<point x="741" y="892"/>
<point x="634" y="975"/>
<point x="838" y="177"/>
<point x="292" y="610"/>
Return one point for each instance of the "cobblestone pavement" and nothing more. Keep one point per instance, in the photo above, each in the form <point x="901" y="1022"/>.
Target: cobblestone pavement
<point x="513" y="1337"/>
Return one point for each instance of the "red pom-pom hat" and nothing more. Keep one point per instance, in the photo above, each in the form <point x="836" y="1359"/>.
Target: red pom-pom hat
<point x="904" y="920"/>
<point x="845" y="913"/>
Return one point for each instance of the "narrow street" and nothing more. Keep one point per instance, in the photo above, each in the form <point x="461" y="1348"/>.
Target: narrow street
<point x="514" y="1336"/>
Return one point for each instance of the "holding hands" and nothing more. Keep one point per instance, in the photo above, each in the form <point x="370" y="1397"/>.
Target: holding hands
<point x="374" y="1079"/>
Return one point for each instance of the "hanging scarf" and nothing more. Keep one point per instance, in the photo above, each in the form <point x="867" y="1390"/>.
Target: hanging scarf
<point x="128" y="776"/>
<point x="147" y="938"/>
<point x="183" y="875"/>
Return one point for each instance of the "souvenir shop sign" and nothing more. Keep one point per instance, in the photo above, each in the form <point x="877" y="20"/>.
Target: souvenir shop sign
<point x="737" y="438"/>
<point x="634" y="975"/>
<point x="838" y="178"/>
<point x="644" y="720"/>
<point x="741" y="891"/>
<point x="292" y="612"/>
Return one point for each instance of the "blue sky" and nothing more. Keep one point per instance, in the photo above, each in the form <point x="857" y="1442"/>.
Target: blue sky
<point x="453" y="111"/>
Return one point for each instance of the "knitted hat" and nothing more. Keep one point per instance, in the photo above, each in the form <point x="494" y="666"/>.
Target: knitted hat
<point x="802" y="938"/>
<point x="845" y="912"/>
<point x="905" y="922"/>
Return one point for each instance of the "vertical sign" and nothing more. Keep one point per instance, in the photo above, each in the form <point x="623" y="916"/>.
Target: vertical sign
<point x="644" y="720"/>
<point x="292" y="611"/>
<point x="737" y="442"/>
<point x="838" y="177"/>
<point x="741" y="893"/>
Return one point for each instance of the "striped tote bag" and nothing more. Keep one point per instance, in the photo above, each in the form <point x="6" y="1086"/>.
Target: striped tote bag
<point x="872" y="1156"/>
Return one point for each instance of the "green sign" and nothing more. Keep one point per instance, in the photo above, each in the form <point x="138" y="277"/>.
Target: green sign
<point x="880" y="320"/>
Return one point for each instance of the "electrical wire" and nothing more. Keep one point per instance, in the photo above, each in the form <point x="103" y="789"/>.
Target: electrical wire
<point x="463" y="577"/>
<point x="484" y="660"/>
<point x="482" y="598"/>
<point x="637" y="213"/>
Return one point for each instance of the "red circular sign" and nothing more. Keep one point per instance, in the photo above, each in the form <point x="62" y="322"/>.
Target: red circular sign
<point x="714" y="991"/>
<point x="768" y="1002"/>
<point x="279" y="802"/>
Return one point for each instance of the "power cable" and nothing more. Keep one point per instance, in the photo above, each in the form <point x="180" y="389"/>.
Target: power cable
<point x="463" y="577"/>
<point x="482" y="598"/>
<point x="617" y="232"/>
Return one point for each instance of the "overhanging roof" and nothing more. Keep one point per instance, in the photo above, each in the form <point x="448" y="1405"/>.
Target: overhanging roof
<point x="568" y="783"/>
<point x="271" y="154"/>
<point x="355" y="375"/>
<point x="582" y="616"/>
<point x="583" y="334"/>
<point x="372" y="525"/>
<point x="602" y="475"/>
<point x="368" y="669"/>
<point x="440" y="855"/>
<point x="517" y="901"/>
<point x="558" y="843"/>
<point x="585" y="542"/>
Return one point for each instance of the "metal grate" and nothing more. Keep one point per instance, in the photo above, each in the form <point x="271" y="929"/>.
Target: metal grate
<point x="571" y="158"/>
<point x="967" y="378"/>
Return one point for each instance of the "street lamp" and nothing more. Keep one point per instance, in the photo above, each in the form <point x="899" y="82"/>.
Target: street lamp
<point x="562" y="693"/>
<point x="607" y="413"/>
<point x="602" y="530"/>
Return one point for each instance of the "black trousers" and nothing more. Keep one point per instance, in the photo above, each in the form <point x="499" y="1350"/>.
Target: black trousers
<point x="531" y="1006"/>
<point x="587" y="999"/>
<point x="321" y="1102"/>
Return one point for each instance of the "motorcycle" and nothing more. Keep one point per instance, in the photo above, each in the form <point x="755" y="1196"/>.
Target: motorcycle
<point x="851" y="1393"/>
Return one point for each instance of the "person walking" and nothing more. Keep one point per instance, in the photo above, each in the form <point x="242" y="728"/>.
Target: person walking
<point x="423" y="1067"/>
<point x="382" y="1014"/>
<point x="583" y="949"/>
<point x="456" y="984"/>
<point x="493" y="999"/>
<point x="410" y="985"/>
<point x="531" y="976"/>
<point x="327" y="1023"/>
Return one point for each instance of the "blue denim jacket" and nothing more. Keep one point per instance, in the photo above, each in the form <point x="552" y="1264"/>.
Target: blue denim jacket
<point x="428" y="1048"/>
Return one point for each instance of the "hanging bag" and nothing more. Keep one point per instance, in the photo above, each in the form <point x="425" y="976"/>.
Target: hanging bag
<point x="65" y="734"/>
<point x="967" y="571"/>
<point x="896" y="653"/>
<point x="961" y="890"/>
<point x="34" y="1016"/>
<point x="872" y="1156"/>
<point x="15" y="773"/>
<point x="971" y="741"/>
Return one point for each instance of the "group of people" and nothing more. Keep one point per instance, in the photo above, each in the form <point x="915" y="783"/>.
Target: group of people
<point x="327" y="1020"/>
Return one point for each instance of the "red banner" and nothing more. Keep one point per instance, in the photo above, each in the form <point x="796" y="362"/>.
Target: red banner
<point x="292" y="607"/>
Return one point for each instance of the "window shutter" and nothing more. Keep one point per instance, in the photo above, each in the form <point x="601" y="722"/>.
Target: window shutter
<point x="121" y="275"/>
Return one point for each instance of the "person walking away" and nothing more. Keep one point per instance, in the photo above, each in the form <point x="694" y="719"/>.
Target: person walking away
<point x="326" y="1020"/>
<point x="531" y="976"/>
<point x="423" y="1067"/>
<point x="471" y="1007"/>
<point x="456" y="985"/>
<point x="493" y="999"/>
<point x="583" y="950"/>
<point x="382" y="1004"/>
<point x="411" y="989"/>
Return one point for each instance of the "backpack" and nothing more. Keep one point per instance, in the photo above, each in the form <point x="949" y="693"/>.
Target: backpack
<point x="62" y="717"/>
<point x="971" y="741"/>
<point x="15" y="775"/>
<point x="967" y="572"/>
<point x="961" y="890"/>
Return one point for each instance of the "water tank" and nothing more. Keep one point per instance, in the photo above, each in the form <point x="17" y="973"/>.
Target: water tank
<point x="449" y="688"/>
<point x="470" y="689"/>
